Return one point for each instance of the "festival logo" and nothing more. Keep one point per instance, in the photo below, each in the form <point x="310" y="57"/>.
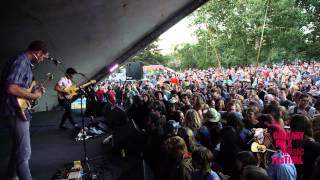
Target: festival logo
<point x="289" y="154"/>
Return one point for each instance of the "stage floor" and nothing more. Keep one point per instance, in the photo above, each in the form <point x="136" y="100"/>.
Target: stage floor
<point x="53" y="147"/>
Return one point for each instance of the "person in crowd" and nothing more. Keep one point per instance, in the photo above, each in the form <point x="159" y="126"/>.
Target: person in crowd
<point x="232" y="107"/>
<point x="282" y="170"/>
<point x="159" y="106"/>
<point x="316" y="128"/>
<point x="192" y="120"/>
<point x="172" y="128"/>
<point x="111" y="95"/>
<point x="276" y="125"/>
<point x="268" y="98"/>
<point x="100" y="93"/>
<point x="177" y="99"/>
<point x="252" y="96"/>
<point x="189" y="138"/>
<point x="173" y="110"/>
<point x="220" y="105"/>
<point x="251" y="119"/>
<point x="198" y="105"/>
<point x="211" y="103"/>
<point x="177" y="161"/>
<point x="186" y="105"/>
<point x="147" y="101"/>
<point x="283" y="98"/>
<point x="155" y="129"/>
<point x="159" y="96"/>
<point x="118" y="90"/>
<point x="261" y="91"/>
<point x="243" y="159"/>
<point x="229" y="147"/>
<point x="301" y="123"/>
<point x="316" y="169"/>
<point x="202" y="159"/>
<point x="181" y="117"/>
<point x="253" y="172"/>
<point x="235" y="120"/>
<point x="212" y="121"/>
<point x="296" y="97"/>
<point x="303" y="107"/>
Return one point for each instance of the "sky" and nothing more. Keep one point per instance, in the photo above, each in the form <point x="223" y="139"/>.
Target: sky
<point x="177" y="34"/>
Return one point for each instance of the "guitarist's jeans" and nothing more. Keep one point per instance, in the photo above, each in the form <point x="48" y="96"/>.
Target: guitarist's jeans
<point x="67" y="112"/>
<point x="21" y="148"/>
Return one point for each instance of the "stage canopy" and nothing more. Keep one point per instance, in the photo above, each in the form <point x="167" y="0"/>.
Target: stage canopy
<point x="86" y="34"/>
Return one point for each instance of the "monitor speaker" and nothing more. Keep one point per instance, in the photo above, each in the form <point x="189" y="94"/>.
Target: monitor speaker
<point x="134" y="71"/>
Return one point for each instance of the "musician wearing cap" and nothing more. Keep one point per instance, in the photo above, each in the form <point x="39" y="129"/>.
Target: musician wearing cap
<point x="15" y="86"/>
<point x="62" y="84"/>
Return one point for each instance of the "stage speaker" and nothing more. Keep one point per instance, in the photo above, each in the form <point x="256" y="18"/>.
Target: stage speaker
<point x="134" y="71"/>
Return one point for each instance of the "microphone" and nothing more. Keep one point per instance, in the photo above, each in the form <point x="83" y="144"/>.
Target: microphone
<point x="54" y="60"/>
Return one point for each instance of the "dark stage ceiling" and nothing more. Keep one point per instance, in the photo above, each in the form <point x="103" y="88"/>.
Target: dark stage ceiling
<point x="86" y="34"/>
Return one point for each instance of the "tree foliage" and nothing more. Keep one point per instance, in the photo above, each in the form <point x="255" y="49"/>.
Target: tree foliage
<point x="312" y="9"/>
<point x="151" y="55"/>
<point x="229" y="33"/>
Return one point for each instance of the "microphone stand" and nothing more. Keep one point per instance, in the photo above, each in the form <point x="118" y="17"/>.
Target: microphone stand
<point x="82" y="93"/>
<point x="85" y="160"/>
<point x="90" y="171"/>
<point x="60" y="66"/>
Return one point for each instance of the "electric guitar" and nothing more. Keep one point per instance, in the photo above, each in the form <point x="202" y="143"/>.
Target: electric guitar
<point x="73" y="90"/>
<point x="27" y="104"/>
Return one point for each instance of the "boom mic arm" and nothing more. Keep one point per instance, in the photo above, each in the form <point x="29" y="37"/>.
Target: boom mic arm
<point x="56" y="62"/>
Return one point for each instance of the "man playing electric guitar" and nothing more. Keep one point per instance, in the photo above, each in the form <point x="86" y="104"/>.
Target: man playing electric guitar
<point x="15" y="80"/>
<point x="63" y="83"/>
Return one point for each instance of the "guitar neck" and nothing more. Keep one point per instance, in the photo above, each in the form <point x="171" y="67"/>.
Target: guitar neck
<point x="270" y="150"/>
<point x="87" y="84"/>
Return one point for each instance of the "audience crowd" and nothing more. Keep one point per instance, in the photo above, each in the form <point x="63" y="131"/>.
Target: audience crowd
<point x="236" y="123"/>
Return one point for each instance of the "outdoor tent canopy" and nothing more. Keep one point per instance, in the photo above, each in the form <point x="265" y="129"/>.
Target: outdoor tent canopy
<point x="86" y="35"/>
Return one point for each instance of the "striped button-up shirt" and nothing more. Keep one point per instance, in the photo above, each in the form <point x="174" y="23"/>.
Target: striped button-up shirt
<point x="18" y="70"/>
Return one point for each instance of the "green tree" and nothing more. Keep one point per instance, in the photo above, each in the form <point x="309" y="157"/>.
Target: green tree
<point x="312" y="11"/>
<point x="229" y="33"/>
<point x="151" y="55"/>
